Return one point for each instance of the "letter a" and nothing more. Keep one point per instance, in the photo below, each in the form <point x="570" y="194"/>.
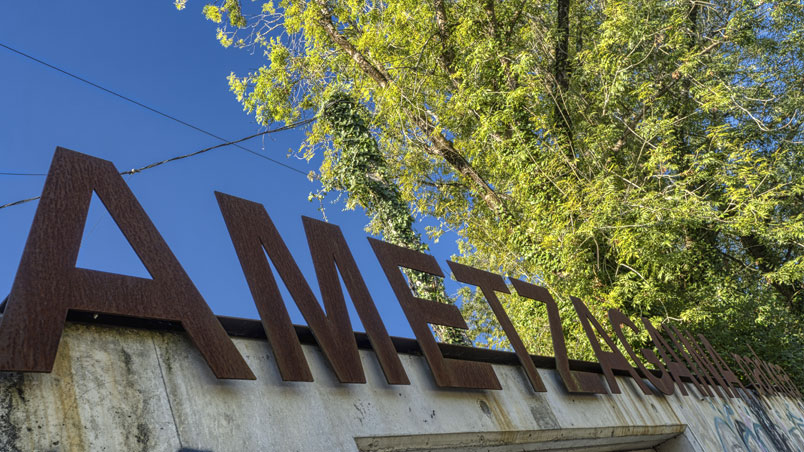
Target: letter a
<point x="48" y="284"/>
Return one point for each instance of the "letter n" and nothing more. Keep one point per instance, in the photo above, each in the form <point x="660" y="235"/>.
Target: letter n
<point x="48" y="284"/>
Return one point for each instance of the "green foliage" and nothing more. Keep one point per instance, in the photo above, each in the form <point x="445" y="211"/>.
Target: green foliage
<point x="659" y="170"/>
<point x="354" y="165"/>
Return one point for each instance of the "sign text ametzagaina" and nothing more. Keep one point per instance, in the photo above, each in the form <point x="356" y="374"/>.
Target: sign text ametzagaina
<point x="48" y="284"/>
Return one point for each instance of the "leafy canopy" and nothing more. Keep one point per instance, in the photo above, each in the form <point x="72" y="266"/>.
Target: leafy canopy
<point x="641" y="154"/>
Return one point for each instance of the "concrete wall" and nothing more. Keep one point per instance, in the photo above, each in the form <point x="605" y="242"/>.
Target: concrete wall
<point x="124" y="389"/>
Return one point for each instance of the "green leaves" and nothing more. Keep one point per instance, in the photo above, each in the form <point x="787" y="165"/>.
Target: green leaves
<point x="213" y="13"/>
<point x="670" y="184"/>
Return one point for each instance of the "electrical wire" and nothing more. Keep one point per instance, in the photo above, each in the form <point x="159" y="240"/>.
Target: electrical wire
<point x="2" y="173"/>
<point x="21" y="201"/>
<point x="154" y="110"/>
<point x="151" y="109"/>
<point x="192" y="154"/>
<point x="229" y="143"/>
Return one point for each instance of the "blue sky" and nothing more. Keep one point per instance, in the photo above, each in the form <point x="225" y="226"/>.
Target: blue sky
<point x="171" y="61"/>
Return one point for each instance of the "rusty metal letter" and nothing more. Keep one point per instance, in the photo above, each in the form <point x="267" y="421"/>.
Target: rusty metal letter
<point x="701" y="375"/>
<point x="775" y="377"/>
<point x="613" y="360"/>
<point x="693" y="360"/>
<point x="764" y="373"/>
<point x="48" y="284"/>
<point x="574" y="381"/>
<point x="745" y="365"/>
<point x="673" y="362"/>
<point x="761" y="374"/>
<point x="331" y="254"/>
<point x="663" y="383"/>
<point x="715" y="374"/>
<point x="251" y="231"/>
<point x="489" y="283"/>
<point x="452" y="373"/>
<point x="789" y="388"/>
<point x="729" y="377"/>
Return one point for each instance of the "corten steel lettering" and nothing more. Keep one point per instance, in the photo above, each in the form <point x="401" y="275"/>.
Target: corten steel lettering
<point x="745" y="366"/>
<point x="575" y="381"/>
<point x="489" y="283"/>
<point x="702" y="379"/>
<point x="764" y="374"/>
<point x="251" y="231"/>
<point x="783" y="379"/>
<point x="778" y="377"/>
<point x="48" y="283"/>
<point x="713" y="366"/>
<point x="777" y="384"/>
<point x="663" y="383"/>
<point x="728" y="375"/>
<point x="609" y="361"/>
<point x="775" y="377"/>
<point x="790" y="388"/>
<point x="761" y="375"/>
<point x="768" y="375"/>
<point x="715" y="375"/>
<point x="693" y="360"/>
<point x="452" y="373"/>
<point x="672" y="361"/>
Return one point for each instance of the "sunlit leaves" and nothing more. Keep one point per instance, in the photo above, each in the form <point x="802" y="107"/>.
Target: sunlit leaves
<point x="673" y="188"/>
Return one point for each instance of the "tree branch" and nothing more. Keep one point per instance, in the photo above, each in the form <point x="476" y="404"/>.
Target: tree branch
<point x="441" y="146"/>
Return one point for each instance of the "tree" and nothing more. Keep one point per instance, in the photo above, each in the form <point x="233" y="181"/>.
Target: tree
<point x="357" y="167"/>
<point x="641" y="155"/>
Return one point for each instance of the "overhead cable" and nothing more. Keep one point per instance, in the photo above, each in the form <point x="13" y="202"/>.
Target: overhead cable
<point x="3" y="173"/>
<point x="192" y="154"/>
<point x="151" y="109"/>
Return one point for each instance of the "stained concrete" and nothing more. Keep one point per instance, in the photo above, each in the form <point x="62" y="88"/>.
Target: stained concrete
<point x="118" y="389"/>
<point x="105" y="390"/>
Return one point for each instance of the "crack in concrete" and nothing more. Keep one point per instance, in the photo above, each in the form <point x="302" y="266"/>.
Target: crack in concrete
<point x="167" y="394"/>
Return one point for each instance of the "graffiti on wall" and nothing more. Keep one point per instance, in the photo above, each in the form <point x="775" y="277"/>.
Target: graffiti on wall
<point x="758" y="425"/>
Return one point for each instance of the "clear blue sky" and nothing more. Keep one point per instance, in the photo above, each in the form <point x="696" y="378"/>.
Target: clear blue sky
<point x="171" y="61"/>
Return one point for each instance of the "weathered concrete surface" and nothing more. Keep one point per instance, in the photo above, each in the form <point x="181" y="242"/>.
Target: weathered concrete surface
<point x="125" y="389"/>
<point x="105" y="390"/>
